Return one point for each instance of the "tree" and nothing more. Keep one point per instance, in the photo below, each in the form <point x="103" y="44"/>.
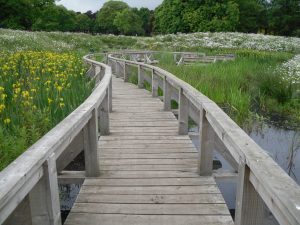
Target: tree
<point x="168" y="17"/>
<point x="129" y="23"/>
<point x="56" y="18"/>
<point x="83" y="23"/>
<point x="253" y="16"/>
<point x="21" y="14"/>
<point x="284" y="17"/>
<point x="147" y="17"/>
<point x="196" y="15"/>
<point x="106" y="16"/>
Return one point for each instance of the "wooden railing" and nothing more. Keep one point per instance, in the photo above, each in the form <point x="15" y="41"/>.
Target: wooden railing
<point x="260" y="180"/>
<point x="31" y="180"/>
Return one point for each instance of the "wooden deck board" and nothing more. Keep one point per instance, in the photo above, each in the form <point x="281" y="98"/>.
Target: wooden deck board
<point x="148" y="171"/>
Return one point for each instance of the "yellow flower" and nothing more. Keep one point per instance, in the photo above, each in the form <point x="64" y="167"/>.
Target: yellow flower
<point x="59" y="88"/>
<point x="50" y="101"/>
<point x="1" y="89"/>
<point x="2" y="107"/>
<point x="7" y="121"/>
<point x="25" y="94"/>
<point x="61" y="105"/>
<point x="3" y="96"/>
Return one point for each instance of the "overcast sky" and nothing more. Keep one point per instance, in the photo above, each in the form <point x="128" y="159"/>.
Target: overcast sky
<point x="94" y="5"/>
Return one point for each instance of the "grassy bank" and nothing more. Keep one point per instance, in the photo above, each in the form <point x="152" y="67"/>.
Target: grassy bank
<point x="244" y="87"/>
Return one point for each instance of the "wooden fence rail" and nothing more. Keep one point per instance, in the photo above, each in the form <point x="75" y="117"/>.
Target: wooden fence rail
<point x="31" y="180"/>
<point x="260" y="180"/>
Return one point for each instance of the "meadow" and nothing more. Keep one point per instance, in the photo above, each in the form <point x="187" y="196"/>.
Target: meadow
<point x="37" y="90"/>
<point x="255" y="85"/>
<point x="42" y="77"/>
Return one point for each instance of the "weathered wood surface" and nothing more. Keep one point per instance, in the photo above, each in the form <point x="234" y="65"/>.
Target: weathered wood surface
<point x="270" y="182"/>
<point x="148" y="171"/>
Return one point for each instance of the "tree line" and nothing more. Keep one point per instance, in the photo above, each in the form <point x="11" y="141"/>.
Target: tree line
<point x="279" y="17"/>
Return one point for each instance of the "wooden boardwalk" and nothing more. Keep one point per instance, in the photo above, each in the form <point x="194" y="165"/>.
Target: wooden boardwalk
<point x="148" y="172"/>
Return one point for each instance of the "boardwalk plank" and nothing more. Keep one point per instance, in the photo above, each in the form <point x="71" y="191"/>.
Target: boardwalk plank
<point x="148" y="173"/>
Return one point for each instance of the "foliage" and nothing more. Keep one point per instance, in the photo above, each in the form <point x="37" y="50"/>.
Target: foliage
<point x="212" y="16"/>
<point x="37" y="90"/>
<point x="20" y="14"/>
<point x="128" y="22"/>
<point x="168" y="17"/>
<point x="56" y="18"/>
<point x="252" y="16"/>
<point x="191" y="16"/>
<point x="280" y="17"/>
<point x="106" y="16"/>
<point x="284" y="17"/>
<point x="147" y="17"/>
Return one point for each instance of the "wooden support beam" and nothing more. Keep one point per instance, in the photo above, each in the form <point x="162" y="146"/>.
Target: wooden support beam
<point x="21" y="215"/>
<point x="110" y="88"/>
<point x="71" y="177"/>
<point x="249" y="205"/>
<point x="70" y="153"/>
<point x="44" y="197"/>
<point x="154" y="84"/>
<point x="119" y="69"/>
<point x="126" y="74"/>
<point x="141" y="75"/>
<point x="183" y="116"/>
<point x="103" y="120"/>
<point x="90" y="138"/>
<point x="167" y="89"/>
<point x="207" y="136"/>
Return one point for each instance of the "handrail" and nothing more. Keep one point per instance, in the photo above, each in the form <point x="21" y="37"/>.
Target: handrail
<point x="260" y="179"/>
<point x="34" y="173"/>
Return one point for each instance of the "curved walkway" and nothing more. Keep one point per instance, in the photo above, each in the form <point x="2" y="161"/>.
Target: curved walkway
<point x="148" y="171"/>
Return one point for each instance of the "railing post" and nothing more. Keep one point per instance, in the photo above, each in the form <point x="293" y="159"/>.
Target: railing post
<point x="110" y="95"/>
<point x="109" y="63"/>
<point x="126" y="77"/>
<point x="249" y="209"/>
<point x="118" y="69"/>
<point x="44" y="197"/>
<point x="206" y="133"/>
<point x="102" y="73"/>
<point x="183" y="116"/>
<point x="104" y="115"/>
<point x="167" y="95"/>
<point x="140" y="77"/>
<point x="21" y="215"/>
<point x="97" y="73"/>
<point x="154" y="84"/>
<point x="90" y="139"/>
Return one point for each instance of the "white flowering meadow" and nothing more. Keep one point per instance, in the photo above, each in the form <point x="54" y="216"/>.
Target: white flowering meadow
<point x="290" y="71"/>
<point x="228" y="40"/>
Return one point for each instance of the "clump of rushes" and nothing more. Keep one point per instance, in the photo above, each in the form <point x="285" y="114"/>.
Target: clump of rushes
<point x="37" y="90"/>
<point x="249" y="85"/>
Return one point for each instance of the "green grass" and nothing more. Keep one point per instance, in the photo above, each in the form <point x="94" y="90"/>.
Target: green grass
<point x="242" y="87"/>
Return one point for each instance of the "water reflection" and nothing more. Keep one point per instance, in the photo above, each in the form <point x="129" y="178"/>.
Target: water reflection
<point x="67" y="196"/>
<point x="282" y="145"/>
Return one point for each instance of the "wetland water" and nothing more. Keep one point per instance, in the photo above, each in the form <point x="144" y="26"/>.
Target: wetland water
<point x="281" y="144"/>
